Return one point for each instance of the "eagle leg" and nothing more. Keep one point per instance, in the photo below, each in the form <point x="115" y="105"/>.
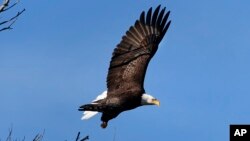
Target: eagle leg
<point x="104" y="124"/>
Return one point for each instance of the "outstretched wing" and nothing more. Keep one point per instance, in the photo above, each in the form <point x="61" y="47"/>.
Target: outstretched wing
<point x="131" y="56"/>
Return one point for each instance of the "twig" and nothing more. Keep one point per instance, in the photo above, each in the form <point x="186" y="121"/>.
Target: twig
<point x="4" y="5"/>
<point x="12" y="20"/>
<point x="9" y="136"/>
<point x="78" y="136"/>
<point x="11" y="6"/>
<point x="83" y="139"/>
<point x="39" y="137"/>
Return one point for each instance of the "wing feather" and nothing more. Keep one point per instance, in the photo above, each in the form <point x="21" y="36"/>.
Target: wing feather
<point x="155" y="15"/>
<point x="131" y="56"/>
<point x="148" y="20"/>
<point x="142" y="17"/>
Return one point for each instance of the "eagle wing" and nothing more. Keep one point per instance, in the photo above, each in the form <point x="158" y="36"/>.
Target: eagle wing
<point x="131" y="56"/>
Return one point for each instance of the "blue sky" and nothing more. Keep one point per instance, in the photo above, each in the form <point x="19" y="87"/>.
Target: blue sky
<point x="56" y="59"/>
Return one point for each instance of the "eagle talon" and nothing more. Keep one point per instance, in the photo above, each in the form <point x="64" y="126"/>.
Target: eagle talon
<point x="104" y="124"/>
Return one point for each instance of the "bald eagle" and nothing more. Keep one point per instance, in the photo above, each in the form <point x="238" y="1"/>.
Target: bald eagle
<point x="128" y="67"/>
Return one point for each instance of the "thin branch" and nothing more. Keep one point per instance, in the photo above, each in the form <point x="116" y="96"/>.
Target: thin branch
<point x="11" y="5"/>
<point x="15" y="17"/>
<point x="12" y="20"/>
<point x="8" y="23"/>
<point x="83" y="139"/>
<point x="4" y="5"/>
<point x="39" y="137"/>
<point x="78" y="136"/>
<point x="9" y="136"/>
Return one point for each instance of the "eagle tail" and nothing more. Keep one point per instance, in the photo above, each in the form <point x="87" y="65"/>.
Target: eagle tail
<point x="92" y="109"/>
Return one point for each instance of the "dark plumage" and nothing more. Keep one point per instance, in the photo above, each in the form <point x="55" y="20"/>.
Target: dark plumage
<point x="129" y="64"/>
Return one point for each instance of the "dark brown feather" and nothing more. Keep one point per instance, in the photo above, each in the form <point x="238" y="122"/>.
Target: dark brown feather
<point x="131" y="56"/>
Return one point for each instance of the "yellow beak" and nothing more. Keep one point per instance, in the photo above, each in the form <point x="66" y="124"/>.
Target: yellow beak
<point x="156" y="102"/>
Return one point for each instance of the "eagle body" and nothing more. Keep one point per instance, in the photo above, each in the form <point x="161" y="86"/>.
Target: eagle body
<point x="128" y="67"/>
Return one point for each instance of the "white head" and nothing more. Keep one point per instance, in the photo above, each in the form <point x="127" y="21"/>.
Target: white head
<point x="149" y="100"/>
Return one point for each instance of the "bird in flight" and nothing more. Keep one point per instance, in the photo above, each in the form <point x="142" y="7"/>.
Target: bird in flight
<point x="128" y="65"/>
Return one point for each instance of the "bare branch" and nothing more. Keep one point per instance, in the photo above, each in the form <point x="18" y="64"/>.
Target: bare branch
<point x="39" y="137"/>
<point x="78" y="136"/>
<point x="5" y="6"/>
<point x="13" y="18"/>
<point x="83" y="139"/>
<point x="11" y="21"/>
<point x="10" y="134"/>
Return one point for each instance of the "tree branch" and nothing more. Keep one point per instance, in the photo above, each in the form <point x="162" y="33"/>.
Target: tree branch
<point x="7" y="8"/>
<point x="39" y="137"/>
<point x="9" y="136"/>
<point x="12" y="20"/>
<point x="4" y="5"/>
<point x="83" y="139"/>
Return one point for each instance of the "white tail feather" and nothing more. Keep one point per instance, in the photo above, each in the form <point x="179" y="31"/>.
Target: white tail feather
<point x="89" y="114"/>
<point x="101" y="96"/>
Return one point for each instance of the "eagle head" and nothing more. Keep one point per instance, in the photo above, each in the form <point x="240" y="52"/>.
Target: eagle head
<point x="147" y="99"/>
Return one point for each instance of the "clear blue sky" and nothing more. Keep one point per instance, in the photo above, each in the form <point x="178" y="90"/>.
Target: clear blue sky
<point x="56" y="59"/>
